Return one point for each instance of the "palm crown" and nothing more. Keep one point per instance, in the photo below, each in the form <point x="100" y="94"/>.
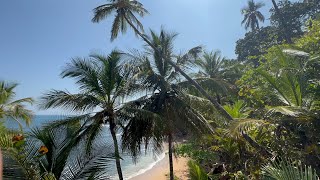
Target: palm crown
<point x="167" y="110"/>
<point x="125" y="14"/>
<point x="252" y="15"/>
<point x="103" y="83"/>
<point x="13" y="109"/>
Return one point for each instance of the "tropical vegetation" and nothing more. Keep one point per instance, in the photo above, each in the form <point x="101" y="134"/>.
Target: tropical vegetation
<point x="253" y="117"/>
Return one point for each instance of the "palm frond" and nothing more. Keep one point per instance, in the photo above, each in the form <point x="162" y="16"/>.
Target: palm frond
<point x="239" y="126"/>
<point x="102" y="12"/>
<point x="286" y="169"/>
<point x="237" y="110"/>
<point x="74" y="102"/>
<point x="196" y="172"/>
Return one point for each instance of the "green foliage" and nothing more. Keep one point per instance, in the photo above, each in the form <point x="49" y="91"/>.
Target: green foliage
<point x="103" y="81"/>
<point x="215" y="75"/>
<point x="173" y="115"/>
<point x="310" y="41"/>
<point x="237" y="110"/>
<point x="290" y="19"/>
<point x="282" y="80"/>
<point x="255" y="44"/>
<point x="286" y="169"/>
<point x="196" y="172"/>
<point x="63" y="158"/>
<point x="203" y="155"/>
<point x="13" y="109"/>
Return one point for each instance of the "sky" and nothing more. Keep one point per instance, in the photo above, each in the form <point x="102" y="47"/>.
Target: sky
<point x="38" y="38"/>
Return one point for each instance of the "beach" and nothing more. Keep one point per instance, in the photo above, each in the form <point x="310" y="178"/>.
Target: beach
<point x="160" y="171"/>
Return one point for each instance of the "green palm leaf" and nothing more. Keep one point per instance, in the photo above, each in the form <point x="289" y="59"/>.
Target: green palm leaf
<point x="285" y="169"/>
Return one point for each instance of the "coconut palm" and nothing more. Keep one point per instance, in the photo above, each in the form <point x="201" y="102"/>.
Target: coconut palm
<point x="103" y="83"/>
<point x="211" y="73"/>
<point x="13" y="109"/>
<point x="166" y="105"/>
<point x="252" y="15"/>
<point x="211" y="64"/>
<point x="124" y="14"/>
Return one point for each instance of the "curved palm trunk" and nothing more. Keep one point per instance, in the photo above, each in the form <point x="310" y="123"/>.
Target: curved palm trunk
<point x="170" y="156"/>
<point x="264" y="152"/>
<point x="116" y="148"/>
<point x="193" y="82"/>
<point x="220" y="109"/>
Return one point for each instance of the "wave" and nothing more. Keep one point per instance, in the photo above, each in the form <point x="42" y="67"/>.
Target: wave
<point x="141" y="171"/>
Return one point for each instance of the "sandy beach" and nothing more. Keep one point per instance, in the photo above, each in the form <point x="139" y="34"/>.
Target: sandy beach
<point x="160" y="171"/>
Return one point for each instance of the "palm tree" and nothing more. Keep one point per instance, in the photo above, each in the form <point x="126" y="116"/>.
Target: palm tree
<point x="104" y="82"/>
<point x="62" y="158"/>
<point x="125" y="10"/>
<point x="50" y="152"/>
<point x="13" y="109"/>
<point x="252" y="15"/>
<point x="166" y="105"/>
<point x="211" y="73"/>
<point x="125" y="14"/>
<point x="211" y="64"/>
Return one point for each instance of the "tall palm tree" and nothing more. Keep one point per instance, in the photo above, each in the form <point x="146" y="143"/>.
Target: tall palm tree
<point x="171" y="111"/>
<point x="252" y="15"/>
<point x="13" y="109"/>
<point x="124" y="14"/>
<point x="103" y="83"/>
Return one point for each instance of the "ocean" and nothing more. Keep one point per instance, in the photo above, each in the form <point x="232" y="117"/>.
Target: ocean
<point x="129" y="168"/>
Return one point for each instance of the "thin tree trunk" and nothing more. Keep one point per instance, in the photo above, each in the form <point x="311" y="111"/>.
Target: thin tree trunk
<point x="220" y="109"/>
<point x="218" y="98"/>
<point x="193" y="82"/>
<point x="170" y="156"/>
<point x="264" y="152"/>
<point x="116" y="148"/>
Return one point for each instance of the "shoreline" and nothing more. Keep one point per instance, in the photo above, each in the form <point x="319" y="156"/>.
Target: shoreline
<point x="160" y="170"/>
<point x="142" y="171"/>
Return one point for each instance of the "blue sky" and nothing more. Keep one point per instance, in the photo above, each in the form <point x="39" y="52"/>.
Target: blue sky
<point x="37" y="37"/>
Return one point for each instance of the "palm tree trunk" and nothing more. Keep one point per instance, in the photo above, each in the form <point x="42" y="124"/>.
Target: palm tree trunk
<point x="220" y="109"/>
<point x="116" y="148"/>
<point x="282" y="22"/>
<point x="218" y="98"/>
<point x="193" y="82"/>
<point x="170" y="156"/>
<point x="264" y="152"/>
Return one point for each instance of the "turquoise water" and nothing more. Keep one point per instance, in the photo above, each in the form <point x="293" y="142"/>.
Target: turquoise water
<point x="128" y="167"/>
